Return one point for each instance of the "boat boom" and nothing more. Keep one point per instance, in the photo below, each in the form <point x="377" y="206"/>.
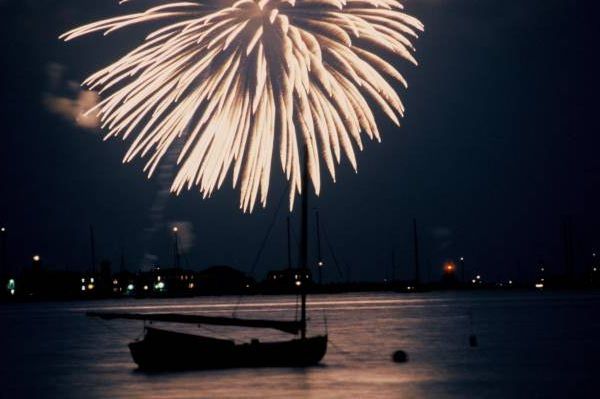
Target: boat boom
<point x="291" y="327"/>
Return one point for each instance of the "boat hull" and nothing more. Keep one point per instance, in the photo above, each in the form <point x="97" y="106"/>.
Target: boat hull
<point x="169" y="350"/>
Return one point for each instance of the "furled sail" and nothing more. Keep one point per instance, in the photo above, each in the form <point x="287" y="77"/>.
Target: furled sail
<point x="291" y="327"/>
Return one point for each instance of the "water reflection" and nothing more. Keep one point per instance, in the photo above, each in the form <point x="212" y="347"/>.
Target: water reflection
<point x="53" y="351"/>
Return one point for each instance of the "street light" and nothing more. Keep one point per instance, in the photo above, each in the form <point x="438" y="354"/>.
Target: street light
<point x="36" y="258"/>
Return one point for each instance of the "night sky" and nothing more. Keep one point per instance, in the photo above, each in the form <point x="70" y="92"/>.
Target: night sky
<point x="500" y="143"/>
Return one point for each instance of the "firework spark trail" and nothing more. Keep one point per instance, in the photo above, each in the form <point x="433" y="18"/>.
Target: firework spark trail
<point x="247" y="76"/>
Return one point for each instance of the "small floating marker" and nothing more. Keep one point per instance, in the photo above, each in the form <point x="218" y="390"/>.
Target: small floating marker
<point x="473" y="341"/>
<point x="400" y="357"/>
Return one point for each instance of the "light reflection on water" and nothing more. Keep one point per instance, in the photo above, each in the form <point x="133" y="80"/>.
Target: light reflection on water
<point x="531" y="345"/>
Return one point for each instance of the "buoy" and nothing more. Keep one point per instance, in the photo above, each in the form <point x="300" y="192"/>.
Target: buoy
<point x="473" y="340"/>
<point x="400" y="356"/>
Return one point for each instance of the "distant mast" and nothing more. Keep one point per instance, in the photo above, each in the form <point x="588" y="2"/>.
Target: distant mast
<point x="393" y="277"/>
<point x="93" y="249"/>
<point x="416" y="243"/>
<point x="176" y="254"/>
<point x="122" y="266"/>
<point x="3" y="258"/>
<point x="319" y="256"/>
<point x="303" y="266"/>
<point x="289" y="243"/>
<point x="567" y="235"/>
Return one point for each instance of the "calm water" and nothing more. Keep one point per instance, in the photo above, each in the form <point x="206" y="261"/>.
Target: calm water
<point x="531" y="345"/>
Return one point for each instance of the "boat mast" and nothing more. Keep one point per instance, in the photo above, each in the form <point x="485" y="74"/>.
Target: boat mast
<point x="176" y="254"/>
<point x="319" y="258"/>
<point x="416" y="242"/>
<point x="3" y="264"/>
<point x="303" y="266"/>
<point x="93" y="249"/>
<point x="122" y="265"/>
<point x="289" y="243"/>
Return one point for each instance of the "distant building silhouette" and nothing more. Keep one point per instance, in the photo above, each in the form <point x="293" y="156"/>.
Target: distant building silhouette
<point x="223" y="280"/>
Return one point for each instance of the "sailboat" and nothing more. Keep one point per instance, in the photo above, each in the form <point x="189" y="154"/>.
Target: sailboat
<point x="162" y="349"/>
<point x="415" y="285"/>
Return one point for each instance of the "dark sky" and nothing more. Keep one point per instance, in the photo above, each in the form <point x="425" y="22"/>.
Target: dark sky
<point x="500" y="143"/>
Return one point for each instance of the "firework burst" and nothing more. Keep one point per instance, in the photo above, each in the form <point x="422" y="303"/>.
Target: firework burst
<point x="234" y="81"/>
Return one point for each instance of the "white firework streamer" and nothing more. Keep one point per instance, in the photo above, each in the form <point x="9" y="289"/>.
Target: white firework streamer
<point x="248" y="77"/>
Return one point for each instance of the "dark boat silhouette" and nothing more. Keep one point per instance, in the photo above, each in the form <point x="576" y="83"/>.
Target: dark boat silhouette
<point x="171" y="350"/>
